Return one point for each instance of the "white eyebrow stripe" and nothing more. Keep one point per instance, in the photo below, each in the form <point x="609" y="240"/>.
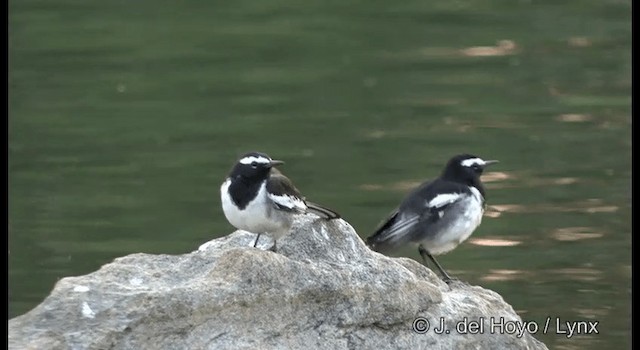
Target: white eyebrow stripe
<point x="472" y="161"/>
<point x="444" y="199"/>
<point x="251" y="159"/>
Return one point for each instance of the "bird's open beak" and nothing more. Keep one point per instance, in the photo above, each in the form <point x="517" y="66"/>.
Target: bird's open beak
<point x="489" y="162"/>
<point x="275" y="162"/>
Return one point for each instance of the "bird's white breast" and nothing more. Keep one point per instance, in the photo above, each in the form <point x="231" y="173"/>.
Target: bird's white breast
<point x="257" y="217"/>
<point x="458" y="230"/>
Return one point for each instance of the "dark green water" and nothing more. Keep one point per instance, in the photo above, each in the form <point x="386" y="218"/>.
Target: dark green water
<point x="125" y="116"/>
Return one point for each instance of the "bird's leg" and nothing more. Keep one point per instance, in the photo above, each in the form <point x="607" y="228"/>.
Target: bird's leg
<point x="256" y="242"/>
<point x="273" y="248"/>
<point x="424" y="253"/>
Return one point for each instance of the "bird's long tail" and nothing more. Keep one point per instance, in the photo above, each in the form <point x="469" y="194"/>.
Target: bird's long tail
<point x="322" y="212"/>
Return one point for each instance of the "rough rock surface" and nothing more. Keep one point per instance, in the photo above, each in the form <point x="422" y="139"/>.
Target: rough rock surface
<point x="323" y="289"/>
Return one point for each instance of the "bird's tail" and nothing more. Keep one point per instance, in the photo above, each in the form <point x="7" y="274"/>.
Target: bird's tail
<point x="376" y="244"/>
<point x="322" y="212"/>
<point x="379" y="246"/>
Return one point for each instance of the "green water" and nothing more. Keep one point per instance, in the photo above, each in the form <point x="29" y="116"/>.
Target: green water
<point x="125" y="116"/>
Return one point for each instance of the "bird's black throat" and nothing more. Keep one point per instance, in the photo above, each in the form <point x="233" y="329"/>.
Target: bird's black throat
<point x="243" y="190"/>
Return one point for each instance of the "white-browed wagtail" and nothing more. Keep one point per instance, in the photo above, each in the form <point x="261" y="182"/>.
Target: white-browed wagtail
<point x="258" y="198"/>
<point x="437" y="215"/>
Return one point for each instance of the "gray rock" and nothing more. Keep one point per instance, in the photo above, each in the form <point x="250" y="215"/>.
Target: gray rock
<point x="323" y="289"/>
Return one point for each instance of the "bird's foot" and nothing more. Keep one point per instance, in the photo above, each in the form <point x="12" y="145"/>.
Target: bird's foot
<point x="452" y="281"/>
<point x="448" y="279"/>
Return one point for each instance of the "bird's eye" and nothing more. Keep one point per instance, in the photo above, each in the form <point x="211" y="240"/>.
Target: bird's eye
<point x="254" y="164"/>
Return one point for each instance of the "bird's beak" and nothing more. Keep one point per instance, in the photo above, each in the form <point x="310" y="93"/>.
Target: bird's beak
<point x="274" y="162"/>
<point x="489" y="162"/>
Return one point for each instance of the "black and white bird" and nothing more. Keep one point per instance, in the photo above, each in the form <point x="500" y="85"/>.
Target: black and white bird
<point x="258" y="198"/>
<point x="438" y="215"/>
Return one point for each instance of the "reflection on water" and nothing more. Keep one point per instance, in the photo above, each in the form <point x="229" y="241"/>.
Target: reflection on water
<point x="493" y="180"/>
<point x="524" y="180"/>
<point x="581" y="274"/>
<point x="576" y="233"/>
<point x="579" y="41"/>
<point x="494" y="242"/>
<point x="496" y="176"/>
<point x="502" y="48"/>
<point x="408" y="185"/>
<point x="574" y="118"/>
<point x="589" y="206"/>
<point x="505" y="275"/>
<point x="591" y="313"/>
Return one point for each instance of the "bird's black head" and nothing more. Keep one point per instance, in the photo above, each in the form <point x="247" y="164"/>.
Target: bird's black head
<point x="253" y="166"/>
<point x="465" y="168"/>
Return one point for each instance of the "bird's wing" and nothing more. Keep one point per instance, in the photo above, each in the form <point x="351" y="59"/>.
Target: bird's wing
<point x="283" y="194"/>
<point x="435" y="206"/>
<point x="400" y="225"/>
<point x="392" y="231"/>
<point x="443" y="200"/>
